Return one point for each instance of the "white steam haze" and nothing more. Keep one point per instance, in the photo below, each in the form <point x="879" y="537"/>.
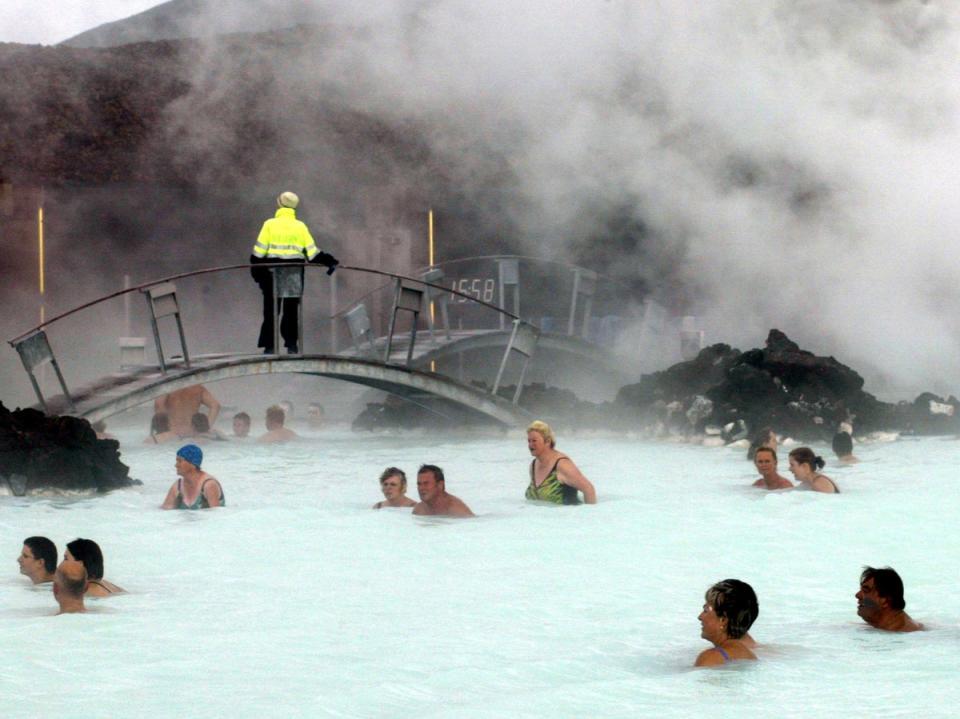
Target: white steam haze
<point x="793" y="164"/>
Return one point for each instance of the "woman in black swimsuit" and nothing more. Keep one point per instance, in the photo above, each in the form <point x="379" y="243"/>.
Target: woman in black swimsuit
<point x="806" y="466"/>
<point x="88" y="552"/>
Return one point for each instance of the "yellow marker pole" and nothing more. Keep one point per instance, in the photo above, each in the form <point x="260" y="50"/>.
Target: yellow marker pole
<point x="433" y="317"/>
<point x="42" y="279"/>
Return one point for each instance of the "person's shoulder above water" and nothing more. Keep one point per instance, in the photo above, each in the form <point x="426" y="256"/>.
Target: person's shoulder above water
<point x="434" y="498"/>
<point x="880" y="601"/>
<point x="276" y="432"/>
<point x="805" y="466"/>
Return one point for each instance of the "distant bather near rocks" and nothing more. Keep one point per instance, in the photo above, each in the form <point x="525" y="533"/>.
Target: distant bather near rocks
<point x="40" y="452"/>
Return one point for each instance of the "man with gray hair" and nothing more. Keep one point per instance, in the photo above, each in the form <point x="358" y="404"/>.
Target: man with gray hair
<point x="283" y="238"/>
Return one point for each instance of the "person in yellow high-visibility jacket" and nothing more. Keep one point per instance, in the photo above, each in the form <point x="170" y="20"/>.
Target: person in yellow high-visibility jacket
<point x="283" y="238"/>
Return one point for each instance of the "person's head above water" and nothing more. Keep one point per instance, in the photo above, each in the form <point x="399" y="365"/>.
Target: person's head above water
<point x="806" y="456"/>
<point x="160" y="423"/>
<point x="543" y="429"/>
<point x="38" y="559"/>
<point x="241" y="424"/>
<point x="88" y="552"/>
<point x="880" y="601"/>
<point x="842" y="444"/>
<point x="192" y="454"/>
<point x="735" y="605"/>
<point x="69" y="585"/>
<point x="275" y="417"/>
<point x="200" y="423"/>
<point x="765" y="437"/>
<point x="430" y="482"/>
<point x="394" y="472"/>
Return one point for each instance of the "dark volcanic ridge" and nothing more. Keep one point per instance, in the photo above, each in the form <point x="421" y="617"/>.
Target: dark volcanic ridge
<point x="724" y="391"/>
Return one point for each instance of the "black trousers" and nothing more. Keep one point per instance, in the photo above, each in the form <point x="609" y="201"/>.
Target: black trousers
<point x="289" y="312"/>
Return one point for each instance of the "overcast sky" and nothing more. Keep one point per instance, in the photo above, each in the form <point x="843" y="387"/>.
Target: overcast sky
<point x="48" y="22"/>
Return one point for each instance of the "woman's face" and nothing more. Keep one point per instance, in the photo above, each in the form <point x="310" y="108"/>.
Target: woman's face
<point x="712" y="627"/>
<point x="801" y="472"/>
<point x="392" y="487"/>
<point x="536" y="443"/>
<point x="67" y="556"/>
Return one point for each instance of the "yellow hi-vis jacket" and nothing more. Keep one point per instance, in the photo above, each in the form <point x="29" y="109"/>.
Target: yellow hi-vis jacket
<point x="284" y="237"/>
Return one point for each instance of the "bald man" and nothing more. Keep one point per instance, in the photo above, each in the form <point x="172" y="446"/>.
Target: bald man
<point x="180" y="406"/>
<point x="69" y="585"/>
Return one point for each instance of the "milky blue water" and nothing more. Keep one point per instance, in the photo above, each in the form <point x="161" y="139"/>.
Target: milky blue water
<point x="297" y="600"/>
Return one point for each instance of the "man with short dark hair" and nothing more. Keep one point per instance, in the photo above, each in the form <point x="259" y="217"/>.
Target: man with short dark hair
<point x="880" y="601"/>
<point x="38" y="559"/>
<point x="434" y="499"/>
<point x="69" y="585"/>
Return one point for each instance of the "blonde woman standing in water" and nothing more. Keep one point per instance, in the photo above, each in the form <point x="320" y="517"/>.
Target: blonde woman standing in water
<point x="553" y="475"/>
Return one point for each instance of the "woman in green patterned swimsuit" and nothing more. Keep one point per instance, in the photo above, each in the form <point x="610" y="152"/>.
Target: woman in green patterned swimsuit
<point x="553" y="475"/>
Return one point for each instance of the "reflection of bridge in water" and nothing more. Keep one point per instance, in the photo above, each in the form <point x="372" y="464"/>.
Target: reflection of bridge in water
<point x="419" y="356"/>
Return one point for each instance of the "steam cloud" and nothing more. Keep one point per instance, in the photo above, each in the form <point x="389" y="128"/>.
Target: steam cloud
<point x="781" y="164"/>
<point x="785" y="164"/>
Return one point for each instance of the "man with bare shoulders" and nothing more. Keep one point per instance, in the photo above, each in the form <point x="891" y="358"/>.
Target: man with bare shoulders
<point x="880" y="601"/>
<point x="276" y="432"/>
<point x="38" y="559"/>
<point x="765" y="460"/>
<point x="434" y="499"/>
<point x="69" y="585"/>
<point x="180" y="406"/>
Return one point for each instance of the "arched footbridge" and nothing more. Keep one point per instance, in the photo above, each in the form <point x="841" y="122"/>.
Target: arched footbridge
<point x="401" y="362"/>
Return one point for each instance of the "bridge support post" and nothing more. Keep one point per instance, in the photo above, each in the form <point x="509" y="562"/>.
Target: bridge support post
<point x="436" y="298"/>
<point x="162" y="302"/>
<point x="523" y="339"/>
<point x="584" y="283"/>
<point x="508" y="274"/>
<point x="34" y="352"/>
<point x="409" y="298"/>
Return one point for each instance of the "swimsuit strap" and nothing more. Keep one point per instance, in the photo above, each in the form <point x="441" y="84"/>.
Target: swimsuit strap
<point x="533" y="476"/>
<point x="723" y="653"/>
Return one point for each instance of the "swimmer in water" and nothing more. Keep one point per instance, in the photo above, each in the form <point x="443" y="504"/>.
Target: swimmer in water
<point x="241" y="425"/>
<point x="766" y="437"/>
<point x="88" y="553"/>
<point x="180" y="406"/>
<point x="843" y="448"/>
<point x="729" y="609"/>
<point x="765" y="460"/>
<point x="880" y="601"/>
<point x="195" y="489"/>
<point x="393" y="484"/>
<point x="553" y="475"/>
<point x="805" y="466"/>
<point x="160" y="430"/>
<point x="434" y="499"/>
<point x="38" y="559"/>
<point x="69" y="585"/>
<point x="276" y="432"/>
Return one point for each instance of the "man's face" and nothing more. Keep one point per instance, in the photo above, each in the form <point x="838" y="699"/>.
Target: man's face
<point x="30" y="566"/>
<point x="241" y="427"/>
<point x="869" y="602"/>
<point x="765" y="463"/>
<point x="428" y="486"/>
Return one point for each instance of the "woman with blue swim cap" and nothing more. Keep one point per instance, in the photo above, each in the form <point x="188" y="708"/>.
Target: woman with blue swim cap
<point x="195" y="489"/>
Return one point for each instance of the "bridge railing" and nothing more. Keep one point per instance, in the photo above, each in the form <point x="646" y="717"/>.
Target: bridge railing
<point x="412" y="296"/>
<point x="565" y="295"/>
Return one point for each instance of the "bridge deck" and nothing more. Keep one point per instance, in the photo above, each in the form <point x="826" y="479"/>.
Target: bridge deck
<point x="123" y="390"/>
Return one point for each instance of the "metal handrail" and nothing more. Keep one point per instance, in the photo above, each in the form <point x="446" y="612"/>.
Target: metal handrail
<point x="529" y="258"/>
<point x="224" y="268"/>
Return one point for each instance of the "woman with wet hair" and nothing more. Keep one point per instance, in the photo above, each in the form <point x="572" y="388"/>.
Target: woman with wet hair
<point x="806" y="465"/>
<point x="843" y="447"/>
<point x="729" y="609"/>
<point x="88" y="553"/>
<point x="393" y="484"/>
